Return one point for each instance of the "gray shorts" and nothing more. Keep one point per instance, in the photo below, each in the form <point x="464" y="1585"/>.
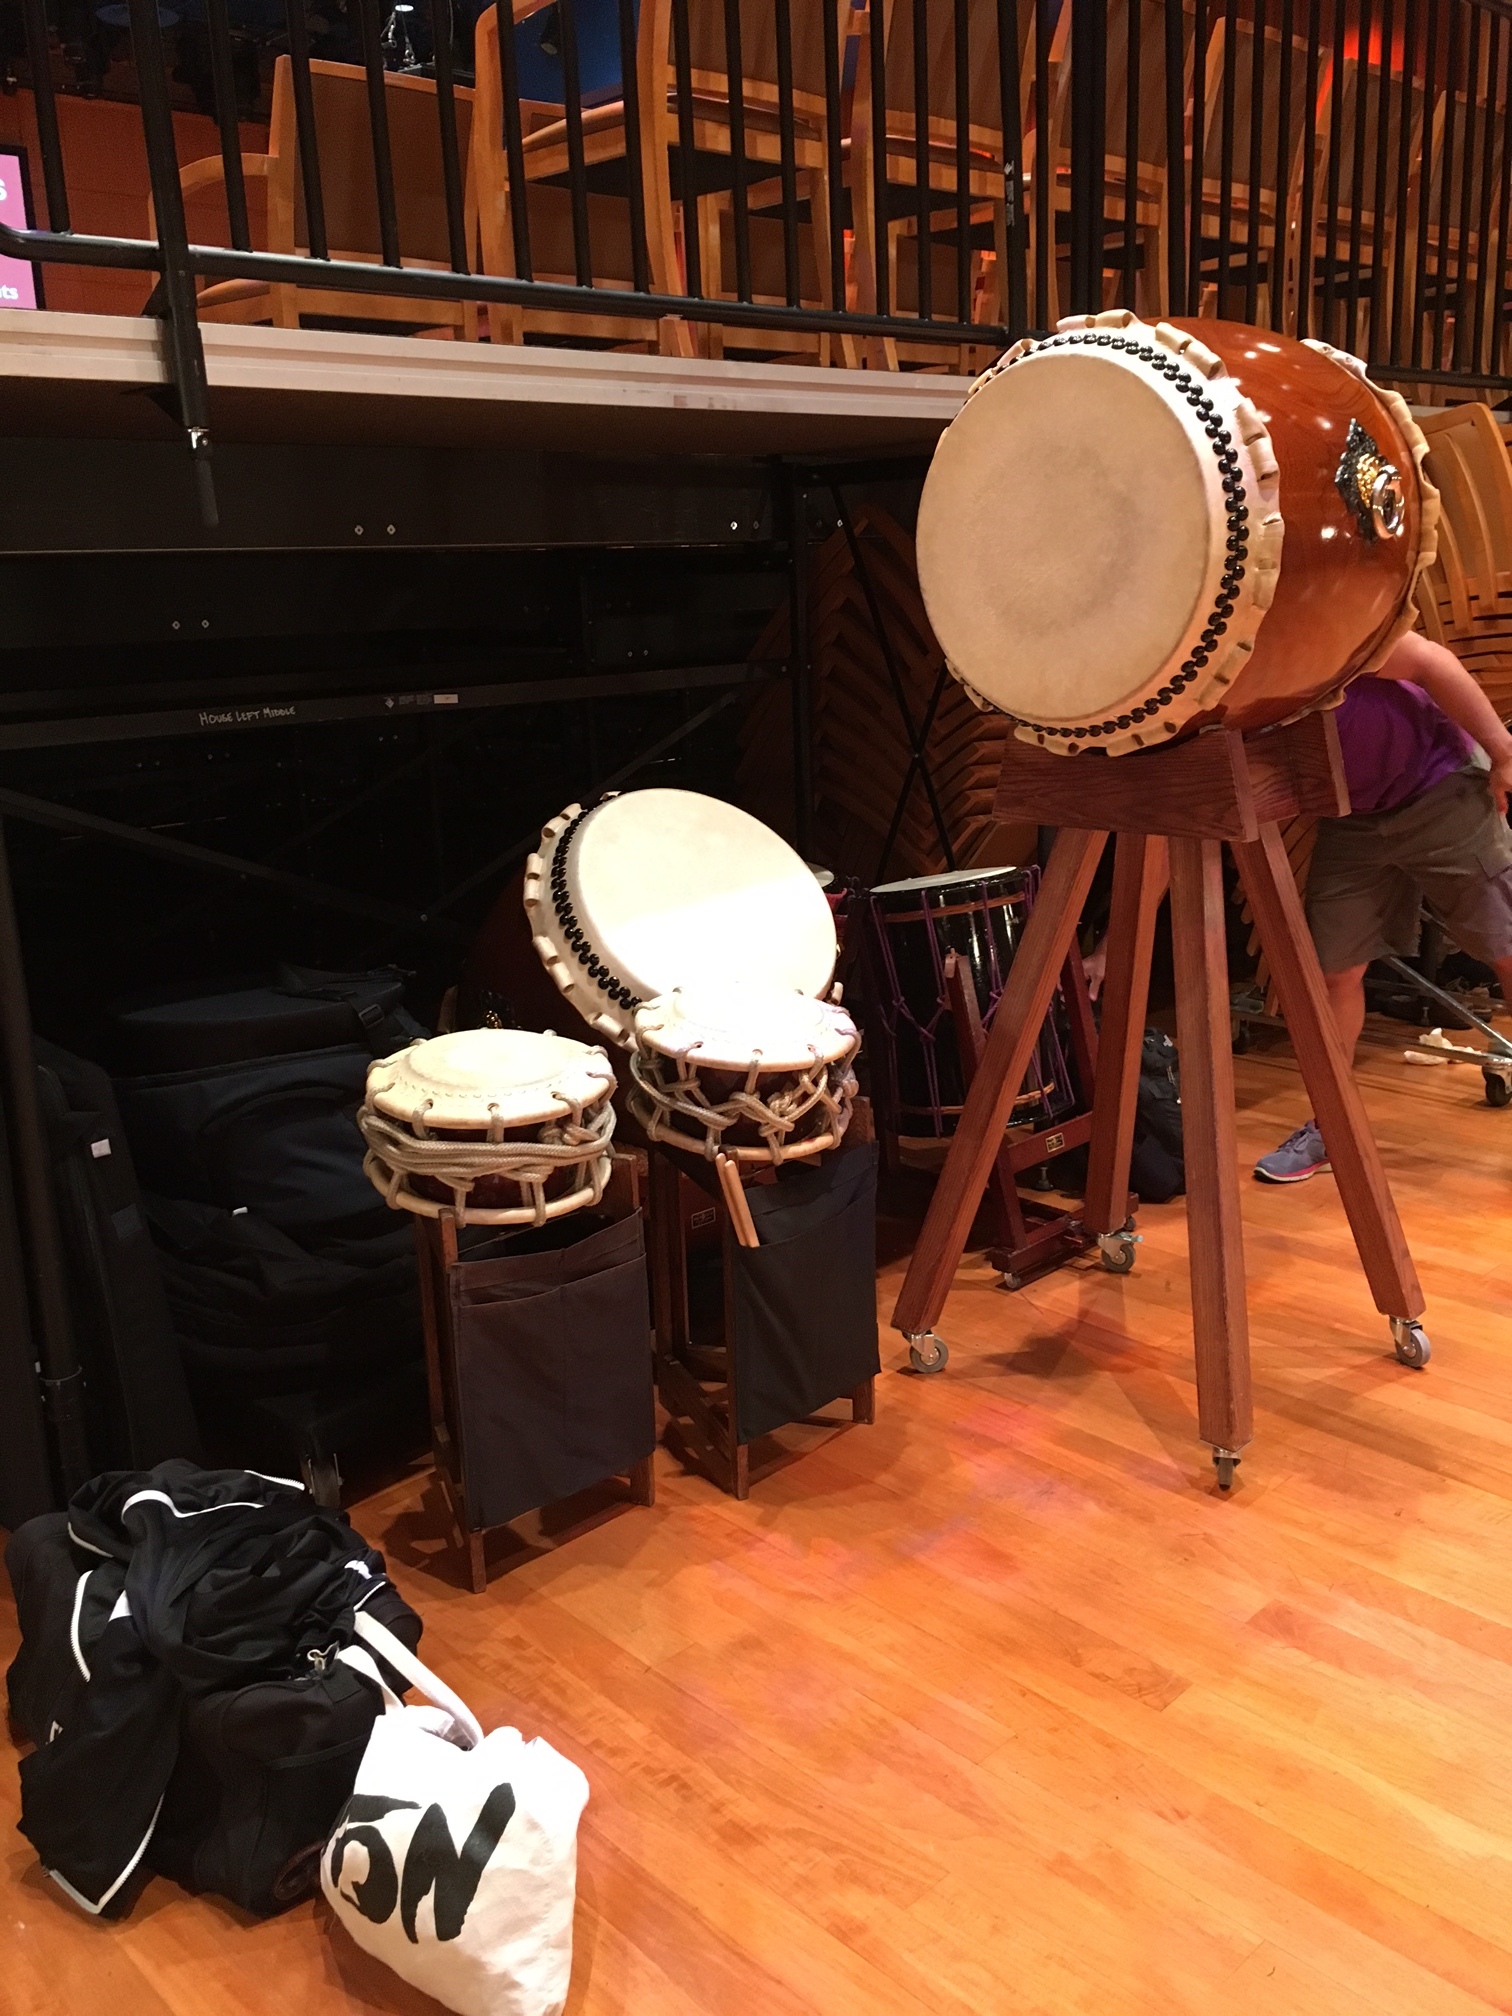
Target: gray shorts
<point x="1371" y="872"/>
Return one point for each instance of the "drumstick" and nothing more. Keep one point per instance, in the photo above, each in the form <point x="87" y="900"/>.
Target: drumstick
<point x="735" y="1201"/>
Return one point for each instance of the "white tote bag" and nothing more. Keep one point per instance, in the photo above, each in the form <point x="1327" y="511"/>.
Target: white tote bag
<point x="455" y="1859"/>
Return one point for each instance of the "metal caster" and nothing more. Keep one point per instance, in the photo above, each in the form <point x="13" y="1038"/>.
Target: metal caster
<point x="1498" y="1089"/>
<point x="1012" y="1282"/>
<point x="928" y="1353"/>
<point x="1411" y="1342"/>
<point x="322" y="1479"/>
<point x="1116" y="1251"/>
<point x="1225" y="1462"/>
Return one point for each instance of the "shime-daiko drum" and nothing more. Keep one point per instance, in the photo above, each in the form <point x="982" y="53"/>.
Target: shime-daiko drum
<point x="1130" y="532"/>
<point x="754" y="1074"/>
<point x="492" y="1126"/>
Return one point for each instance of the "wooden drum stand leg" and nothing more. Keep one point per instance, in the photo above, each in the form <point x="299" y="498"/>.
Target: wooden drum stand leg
<point x="1190" y="798"/>
<point x="1215" y="1232"/>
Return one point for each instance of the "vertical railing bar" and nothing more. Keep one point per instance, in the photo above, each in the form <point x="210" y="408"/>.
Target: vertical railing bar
<point x="577" y="166"/>
<point x="682" y="59"/>
<point x="1331" y="191"/>
<point x="1446" y="186"/>
<point x="1096" y="150"/>
<point x="881" y="220"/>
<point x="223" y="86"/>
<point x="834" y="152"/>
<point x="1357" y="175"/>
<point x="1134" y="17"/>
<point x="739" y="167"/>
<point x="304" y="126"/>
<point x="1079" y="51"/>
<point x="1044" y="163"/>
<point x="1378" y="197"/>
<point x="175" y="293"/>
<point x="378" y="129"/>
<point x="45" y="112"/>
<point x="446" y="123"/>
<point x="1199" y="154"/>
<point x="1175" y="107"/>
<point x="1467" y="191"/>
<point x="922" y="192"/>
<point x="1307" y="248"/>
<point x="1425" y="181"/>
<point x="1483" y="266"/>
<point x="1015" y="242"/>
<point x="1226" y="153"/>
<point x="1404" y="177"/>
<point x="1256" y="164"/>
<point x="787" y="149"/>
<point x="513" y="138"/>
<point x="640" y="258"/>
<point x="962" y="73"/>
<point x="1498" y="265"/>
<point x="1283" y="168"/>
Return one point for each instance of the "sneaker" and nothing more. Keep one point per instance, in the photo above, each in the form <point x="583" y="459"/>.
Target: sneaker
<point x="1300" y="1155"/>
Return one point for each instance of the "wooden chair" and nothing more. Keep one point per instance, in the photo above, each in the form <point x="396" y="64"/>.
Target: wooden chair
<point x="344" y="144"/>
<point x="669" y="222"/>
<point x="1465" y="598"/>
<point x="888" y="156"/>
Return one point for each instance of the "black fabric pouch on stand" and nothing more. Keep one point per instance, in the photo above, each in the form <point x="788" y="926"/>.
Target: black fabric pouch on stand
<point x="805" y="1299"/>
<point x="552" y="1335"/>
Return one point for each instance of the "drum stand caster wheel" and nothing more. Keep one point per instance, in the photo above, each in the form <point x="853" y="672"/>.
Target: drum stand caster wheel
<point x="927" y="1353"/>
<point x="322" y="1479"/>
<point x="1225" y="1462"/>
<point x="1116" y="1250"/>
<point x="1498" y="1088"/>
<point x="1411" y="1341"/>
<point x="1012" y="1282"/>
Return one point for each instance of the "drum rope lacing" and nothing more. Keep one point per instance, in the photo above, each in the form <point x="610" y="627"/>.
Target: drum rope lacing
<point x="896" y="1011"/>
<point x="1237" y="518"/>
<point x="830" y="1086"/>
<point x="580" y="1139"/>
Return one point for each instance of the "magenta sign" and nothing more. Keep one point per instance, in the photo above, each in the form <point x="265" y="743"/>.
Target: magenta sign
<point x="18" y="283"/>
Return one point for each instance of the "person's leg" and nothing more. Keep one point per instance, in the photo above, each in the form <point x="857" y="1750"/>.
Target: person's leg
<point x="1346" y="997"/>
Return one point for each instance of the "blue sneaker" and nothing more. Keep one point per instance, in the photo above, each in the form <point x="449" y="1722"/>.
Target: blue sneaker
<point x="1300" y="1155"/>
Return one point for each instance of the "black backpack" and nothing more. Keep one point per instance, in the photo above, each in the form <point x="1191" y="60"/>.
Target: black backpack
<point x="263" y="1770"/>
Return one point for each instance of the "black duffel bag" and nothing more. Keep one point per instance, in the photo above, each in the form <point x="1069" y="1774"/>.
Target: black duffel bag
<point x="262" y="1769"/>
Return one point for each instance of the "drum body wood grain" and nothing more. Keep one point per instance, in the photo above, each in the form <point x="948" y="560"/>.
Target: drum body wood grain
<point x="1131" y="532"/>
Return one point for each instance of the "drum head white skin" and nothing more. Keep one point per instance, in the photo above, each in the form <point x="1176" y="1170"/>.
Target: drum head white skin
<point x="954" y="878"/>
<point x="733" y="1028"/>
<point x="664" y="889"/>
<point x="481" y="1077"/>
<point x="1073" y="534"/>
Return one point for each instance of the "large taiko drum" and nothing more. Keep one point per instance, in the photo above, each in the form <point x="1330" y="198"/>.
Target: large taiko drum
<point x="1131" y="531"/>
<point x="660" y="889"/>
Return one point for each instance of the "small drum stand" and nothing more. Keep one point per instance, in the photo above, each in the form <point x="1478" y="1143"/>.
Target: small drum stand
<point x="1188" y="800"/>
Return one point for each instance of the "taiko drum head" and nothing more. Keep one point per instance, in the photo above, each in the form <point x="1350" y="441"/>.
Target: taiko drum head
<point x="660" y="889"/>
<point x="1129" y="531"/>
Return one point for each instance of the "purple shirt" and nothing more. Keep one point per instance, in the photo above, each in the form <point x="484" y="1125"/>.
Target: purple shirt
<point x="1396" y="743"/>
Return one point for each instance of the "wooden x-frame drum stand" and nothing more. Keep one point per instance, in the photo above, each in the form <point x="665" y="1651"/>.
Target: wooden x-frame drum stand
<point x="1183" y="802"/>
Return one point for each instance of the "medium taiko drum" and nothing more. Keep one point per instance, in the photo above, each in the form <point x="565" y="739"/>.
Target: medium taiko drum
<point x="658" y="889"/>
<point x="748" y="1072"/>
<point x="1130" y="532"/>
<point x="491" y="1126"/>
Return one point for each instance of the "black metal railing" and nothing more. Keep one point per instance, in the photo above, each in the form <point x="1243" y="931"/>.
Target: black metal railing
<point x="909" y="182"/>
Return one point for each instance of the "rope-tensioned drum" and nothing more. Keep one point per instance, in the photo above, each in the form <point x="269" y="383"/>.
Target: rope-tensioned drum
<point x="491" y="1126"/>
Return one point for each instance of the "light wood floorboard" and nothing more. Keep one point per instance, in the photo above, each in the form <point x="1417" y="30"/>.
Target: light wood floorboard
<point x="997" y="1708"/>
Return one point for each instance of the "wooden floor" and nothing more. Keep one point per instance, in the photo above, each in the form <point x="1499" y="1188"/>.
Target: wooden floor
<point x="997" y="1706"/>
